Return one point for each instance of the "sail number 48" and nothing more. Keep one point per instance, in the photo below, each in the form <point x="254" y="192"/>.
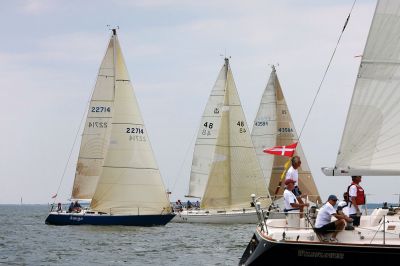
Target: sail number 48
<point x="241" y="125"/>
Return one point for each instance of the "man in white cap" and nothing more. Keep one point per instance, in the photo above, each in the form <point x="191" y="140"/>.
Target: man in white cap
<point x="323" y="224"/>
<point x="291" y="202"/>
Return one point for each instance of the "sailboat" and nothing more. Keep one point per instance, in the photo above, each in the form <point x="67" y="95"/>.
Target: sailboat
<point x="273" y="126"/>
<point x="369" y="146"/>
<point x="225" y="170"/>
<point x="116" y="169"/>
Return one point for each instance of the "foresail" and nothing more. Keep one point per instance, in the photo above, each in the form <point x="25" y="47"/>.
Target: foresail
<point x="207" y="137"/>
<point x="130" y="182"/>
<point x="97" y="129"/>
<point x="274" y="126"/>
<point x="235" y="172"/>
<point x="370" y="142"/>
<point x="264" y="129"/>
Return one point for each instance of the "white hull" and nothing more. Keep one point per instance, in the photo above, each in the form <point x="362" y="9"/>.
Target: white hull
<point x="214" y="217"/>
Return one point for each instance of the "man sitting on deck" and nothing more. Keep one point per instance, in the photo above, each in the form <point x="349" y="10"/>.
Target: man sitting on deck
<point x="323" y="223"/>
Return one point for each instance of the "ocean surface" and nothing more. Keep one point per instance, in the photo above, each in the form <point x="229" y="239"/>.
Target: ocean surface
<point x="26" y="240"/>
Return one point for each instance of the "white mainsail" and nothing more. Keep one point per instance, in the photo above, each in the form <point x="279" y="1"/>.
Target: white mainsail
<point x="97" y="129"/>
<point x="234" y="172"/>
<point x="370" y="144"/>
<point x="274" y="126"/>
<point x="129" y="180"/>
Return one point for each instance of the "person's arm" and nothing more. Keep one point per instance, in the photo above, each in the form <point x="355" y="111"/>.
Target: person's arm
<point x="342" y="216"/>
<point x="298" y="205"/>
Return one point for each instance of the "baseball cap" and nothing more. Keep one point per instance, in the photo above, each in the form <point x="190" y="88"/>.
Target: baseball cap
<point x="332" y="197"/>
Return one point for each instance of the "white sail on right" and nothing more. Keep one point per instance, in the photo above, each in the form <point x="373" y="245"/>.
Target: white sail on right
<point x="369" y="143"/>
<point x="273" y="126"/>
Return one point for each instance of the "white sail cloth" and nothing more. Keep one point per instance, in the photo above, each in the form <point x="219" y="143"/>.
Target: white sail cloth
<point x="370" y="143"/>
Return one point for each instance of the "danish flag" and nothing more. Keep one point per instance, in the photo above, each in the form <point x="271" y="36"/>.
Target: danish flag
<point x="282" y="150"/>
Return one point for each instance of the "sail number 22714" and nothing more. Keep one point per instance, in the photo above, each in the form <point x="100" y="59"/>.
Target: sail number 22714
<point x="136" y="134"/>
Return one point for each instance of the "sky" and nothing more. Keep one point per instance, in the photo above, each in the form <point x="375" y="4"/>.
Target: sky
<point x="50" y="53"/>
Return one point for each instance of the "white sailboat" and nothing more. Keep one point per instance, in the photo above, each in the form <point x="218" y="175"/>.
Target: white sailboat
<point x="225" y="170"/>
<point x="116" y="168"/>
<point x="273" y="126"/>
<point x="370" y="146"/>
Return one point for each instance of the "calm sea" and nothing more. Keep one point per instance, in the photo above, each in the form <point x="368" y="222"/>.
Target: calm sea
<point x="26" y="240"/>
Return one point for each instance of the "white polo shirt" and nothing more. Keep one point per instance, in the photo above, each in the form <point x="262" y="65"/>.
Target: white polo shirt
<point x="289" y="198"/>
<point x="344" y="206"/>
<point x="292" y="174"/>
<point x="324" y="215"/>
<point x="352" y="193"/>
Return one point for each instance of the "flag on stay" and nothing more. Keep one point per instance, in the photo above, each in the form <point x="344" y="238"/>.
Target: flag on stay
<point x="54" y="196"/>
<point x="282" y="150"/>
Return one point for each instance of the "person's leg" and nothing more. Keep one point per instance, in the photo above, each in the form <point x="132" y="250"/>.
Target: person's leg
<point x="339" y="225"/>
<point x="356" y="219"/>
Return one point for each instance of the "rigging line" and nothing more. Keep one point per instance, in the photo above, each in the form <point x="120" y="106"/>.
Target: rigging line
<point x="184" y="160"/>
<point x="73" y="146"/>
<point x="327" y="68"/>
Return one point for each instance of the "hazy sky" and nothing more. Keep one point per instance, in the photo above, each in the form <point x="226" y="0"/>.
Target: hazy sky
<point x="51" y="50"/>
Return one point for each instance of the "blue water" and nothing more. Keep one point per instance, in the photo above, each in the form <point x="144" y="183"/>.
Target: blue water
<point x="26" y="240"/>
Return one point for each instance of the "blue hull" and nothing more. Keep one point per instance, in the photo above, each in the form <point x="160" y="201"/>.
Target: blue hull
<point x="130" y="220"/>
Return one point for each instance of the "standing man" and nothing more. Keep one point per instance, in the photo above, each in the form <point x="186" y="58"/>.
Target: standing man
<point x="357" y="198"/>
<point x="293" y="174"/>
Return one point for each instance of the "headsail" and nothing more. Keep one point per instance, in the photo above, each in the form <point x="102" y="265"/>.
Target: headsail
<point x="370" y="143"/>
<point x="207" y="137"/>
<point x="274" y="126"/>
<point x="130" y="182"/>
<point x="235" y="173"/>
<point x="97" y="129"/>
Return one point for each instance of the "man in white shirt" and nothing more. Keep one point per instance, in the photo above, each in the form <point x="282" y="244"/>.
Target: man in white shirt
<point x="343" y="206"/>
<point x="357" y="198"/>
<point x="323" y="223"/>
<point x="293" y="174"/>
<point x="291" y="203"/>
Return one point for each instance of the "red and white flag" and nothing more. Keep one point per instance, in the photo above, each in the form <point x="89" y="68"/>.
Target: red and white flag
<point x="282" y="150"/>
<point x="54" y="196"/>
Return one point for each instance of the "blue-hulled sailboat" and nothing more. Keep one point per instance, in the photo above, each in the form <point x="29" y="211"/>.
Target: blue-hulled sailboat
<point x="116" y="169"/>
